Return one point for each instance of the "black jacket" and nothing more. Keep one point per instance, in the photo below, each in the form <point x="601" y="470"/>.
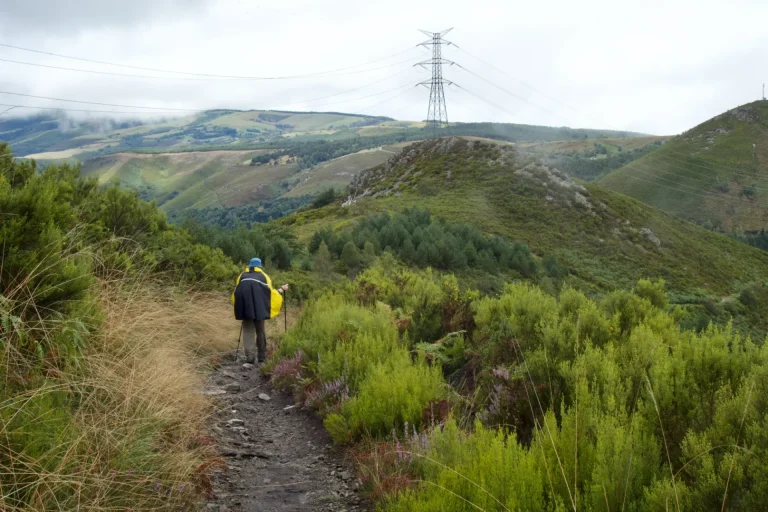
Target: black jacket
<point x="254" y="298"/>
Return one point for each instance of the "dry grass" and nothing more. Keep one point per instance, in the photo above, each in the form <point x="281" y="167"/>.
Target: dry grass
<point x="126" y="430"/>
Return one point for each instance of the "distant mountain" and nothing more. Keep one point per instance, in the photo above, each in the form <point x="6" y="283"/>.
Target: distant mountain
<point x="715" y="174"/>
<point x="57" y="136"/>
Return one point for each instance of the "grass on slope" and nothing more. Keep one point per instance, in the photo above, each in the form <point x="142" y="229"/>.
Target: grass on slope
<point x="607" y="240"/>
<point x="715" y="174"/>
<point x="612" y="145"/>
<point x="199" y="179"/>
<point x="338" y="173"/>
<point x="125" y="428"/>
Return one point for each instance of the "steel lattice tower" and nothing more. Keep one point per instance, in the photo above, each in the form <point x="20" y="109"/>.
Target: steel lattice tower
<point x="437" y="113"/>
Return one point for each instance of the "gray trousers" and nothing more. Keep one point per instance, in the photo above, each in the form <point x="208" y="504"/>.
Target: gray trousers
<point x="253" y="331"/>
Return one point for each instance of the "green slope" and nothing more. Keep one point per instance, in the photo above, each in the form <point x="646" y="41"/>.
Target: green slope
<point x="607" y="240"/>
<point x="715" y="174"/>
<point x="199" y="179"/>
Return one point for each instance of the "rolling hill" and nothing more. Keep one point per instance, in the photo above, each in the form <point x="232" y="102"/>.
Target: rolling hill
<point x="606" y="240"/>
<point x="715" y="174"/>
<point x="233" y="159"/>
<point x="227" y="178"/>
<point x="56" y="136"/>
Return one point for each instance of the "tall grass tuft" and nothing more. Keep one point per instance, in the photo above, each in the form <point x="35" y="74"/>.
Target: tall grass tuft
<point x="124" y="428"/>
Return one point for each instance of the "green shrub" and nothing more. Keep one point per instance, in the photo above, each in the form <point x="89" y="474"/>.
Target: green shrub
<point x="487" y="470"/>
<point x="393" y="393"/>
<point x="330" y="320"/>
<point x="352" y="359"/>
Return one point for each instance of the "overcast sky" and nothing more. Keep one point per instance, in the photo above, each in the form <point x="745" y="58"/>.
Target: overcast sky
<point x="655" y="66"/>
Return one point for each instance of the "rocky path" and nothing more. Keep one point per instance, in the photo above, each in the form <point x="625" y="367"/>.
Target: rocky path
<point x="279" y="458"/>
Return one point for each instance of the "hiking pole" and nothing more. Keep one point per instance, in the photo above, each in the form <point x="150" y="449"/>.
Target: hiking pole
<point x="285" y="310"/>
<point x="238" y="341"/>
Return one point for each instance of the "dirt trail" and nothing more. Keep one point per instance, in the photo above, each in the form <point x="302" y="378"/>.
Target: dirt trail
<point x="279" y="457"/>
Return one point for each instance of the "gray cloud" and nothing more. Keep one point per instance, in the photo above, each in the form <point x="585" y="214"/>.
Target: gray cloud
<point x="72" y="16"/>
<point x="657" y="67"/>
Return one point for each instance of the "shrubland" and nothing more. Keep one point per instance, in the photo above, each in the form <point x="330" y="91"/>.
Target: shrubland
<point x="99" y="342"/>
<point x="527" y="401"/>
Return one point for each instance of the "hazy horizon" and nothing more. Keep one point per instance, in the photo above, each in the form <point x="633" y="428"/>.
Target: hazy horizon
<point x="657" y="69"/>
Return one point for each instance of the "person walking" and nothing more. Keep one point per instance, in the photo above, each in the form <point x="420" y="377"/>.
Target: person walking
<point x="255" y="302"/>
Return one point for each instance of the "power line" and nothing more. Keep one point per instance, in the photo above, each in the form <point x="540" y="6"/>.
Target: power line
<point x="205" y="75"/>
<point x="733" y="170"/>
<point x="347" y="91"/>
<point x="186" y="110"/>
<point x="486" y="101"/>
<point x="535" y="90"/>
<point x="517" y="96"/>
<point x="693" y="191"/>
<point x="97" y="103"/>
<point x="126" y="75"/>
<point x="361" y="111"/>
<point x="699" y="177"/>
<point x="82" y="110"/>
<point x="664" y="161"/>
<point x="362" y="97"/>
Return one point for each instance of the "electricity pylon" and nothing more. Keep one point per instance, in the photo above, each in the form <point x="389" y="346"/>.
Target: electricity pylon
<point x="437" y="113"/>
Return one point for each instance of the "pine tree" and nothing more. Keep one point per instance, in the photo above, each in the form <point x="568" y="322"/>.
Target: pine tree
<point x="281" y="255"/>
<point x="369" y="254"/>
<point x="470" y="253"/>
<point x="322" y="261"/>
<point x="408" y="251"/>
<point x="350" y="257"/>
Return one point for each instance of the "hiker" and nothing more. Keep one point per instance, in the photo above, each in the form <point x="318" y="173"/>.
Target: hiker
<point x="255" y="301"/>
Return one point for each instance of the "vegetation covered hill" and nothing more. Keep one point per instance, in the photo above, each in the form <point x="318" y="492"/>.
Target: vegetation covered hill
<point x="453" y="393"/>
<point x="715" y="174"/>
<point x="606" y="239"/>
<point x="272" y="180"/>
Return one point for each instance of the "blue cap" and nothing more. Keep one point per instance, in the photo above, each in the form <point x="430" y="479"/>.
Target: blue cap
<point x="255" y="262"/>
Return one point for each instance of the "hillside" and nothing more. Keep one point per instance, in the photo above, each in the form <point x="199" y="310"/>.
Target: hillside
<point x="606" y="240"/>
<point x="226" y="179"/>
<point x="715" y="174"/>
<point x="591" y="159"/>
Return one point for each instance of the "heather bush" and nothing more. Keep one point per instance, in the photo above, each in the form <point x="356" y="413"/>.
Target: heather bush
<point x="394" y="393"/>
<point x="356" y="369"/>
<point x="487" y="470"/>
<point x="332" y="319"/>
<point x="615" y="406"/>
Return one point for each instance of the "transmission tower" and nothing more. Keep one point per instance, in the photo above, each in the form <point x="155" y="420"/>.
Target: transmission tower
<point x="437" y="113"/>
